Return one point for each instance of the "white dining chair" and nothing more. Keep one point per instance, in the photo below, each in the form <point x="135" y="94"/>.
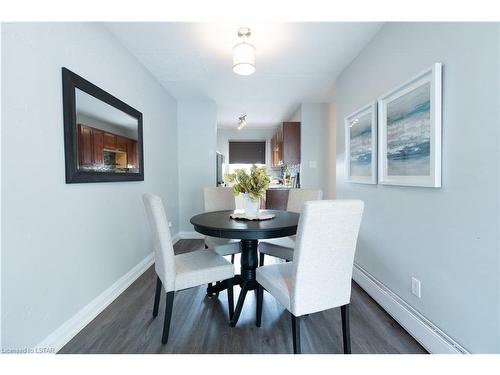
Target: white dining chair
<point x="183" y="271"/>
<point x="319" y="278"/>
<point x="220" y="199"/>
<point x="283" y="247"/>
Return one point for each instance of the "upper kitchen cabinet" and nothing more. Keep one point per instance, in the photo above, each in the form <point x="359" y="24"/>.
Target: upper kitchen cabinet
<point x="84" y="145"/>
<point x="100" y="149"/>
<point x="109" y="141"/>
<point x="121" y="144"/>
<point x="98" y="146"/>
<point x="285" y="144"/>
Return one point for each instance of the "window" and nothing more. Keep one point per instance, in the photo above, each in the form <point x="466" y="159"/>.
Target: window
<point x="247" y="152"/>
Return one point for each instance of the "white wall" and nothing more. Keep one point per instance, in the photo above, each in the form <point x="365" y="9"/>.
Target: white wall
<point x="197" y="134"/>
<point x="1" y="208"/>
<point x="62" y="245"/>
<point x="331" y="153"/>
<point x="224" y="135"/>
<point x="297" y="115"/>
<point x="448" y="237"/>
<point x="314" y="118"/>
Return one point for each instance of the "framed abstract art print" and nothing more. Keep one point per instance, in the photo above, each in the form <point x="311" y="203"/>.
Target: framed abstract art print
<point x="409" y="131"/>
<point x="361" y="145"/>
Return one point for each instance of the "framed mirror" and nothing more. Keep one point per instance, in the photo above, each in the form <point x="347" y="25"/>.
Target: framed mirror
<point x="102" y="134"/>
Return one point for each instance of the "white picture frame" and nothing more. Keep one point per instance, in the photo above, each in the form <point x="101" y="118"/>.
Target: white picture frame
<point x="361" y="149"/>
<point x="409" y="132"/>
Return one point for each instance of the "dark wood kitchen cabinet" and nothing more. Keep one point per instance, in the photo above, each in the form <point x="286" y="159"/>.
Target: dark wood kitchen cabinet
<point x="93" y="142"/>
<point x="291" y="142"/>
<point x="90" y="145"/>
<point x="84" y="145"/>
<point x="132" y="153"/>
<point x="121" y="144"/>
<point x="109" y="141"/>
<point x="97" y="146"/>
<point x="285" y="144"/>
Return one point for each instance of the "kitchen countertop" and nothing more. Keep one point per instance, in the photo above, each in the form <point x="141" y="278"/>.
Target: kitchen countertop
<point x="278" y="186"/>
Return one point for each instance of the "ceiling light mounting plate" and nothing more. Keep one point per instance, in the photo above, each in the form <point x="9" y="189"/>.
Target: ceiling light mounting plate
<point x="244" y="32"/>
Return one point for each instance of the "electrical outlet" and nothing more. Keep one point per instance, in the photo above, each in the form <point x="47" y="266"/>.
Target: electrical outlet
<point x="416" y="287"/>
<point x="312" y="164"/>
<point x="170" y="224"/>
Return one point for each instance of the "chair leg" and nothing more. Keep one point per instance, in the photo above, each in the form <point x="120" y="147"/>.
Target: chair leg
<point x="232" y="258"/>
<point x="346" y="332"/>
<point x="168" y="315"/>
<point x="230" y="298"/>
<point x="296" y="334"/>
<point x="157" y="297"/>
<point x="261" y="259"/>
<point x="260" y="298"/>
<point x="209" y="293"/>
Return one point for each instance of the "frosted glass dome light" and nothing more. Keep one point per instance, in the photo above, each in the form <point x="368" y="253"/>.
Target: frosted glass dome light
<point x="244" y="54"/>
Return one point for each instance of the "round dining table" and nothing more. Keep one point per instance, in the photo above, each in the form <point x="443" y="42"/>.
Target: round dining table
<point x="249" y="232"/>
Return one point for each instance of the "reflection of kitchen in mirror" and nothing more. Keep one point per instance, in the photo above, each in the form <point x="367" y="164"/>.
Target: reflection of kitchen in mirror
<point x="106" y="137"/>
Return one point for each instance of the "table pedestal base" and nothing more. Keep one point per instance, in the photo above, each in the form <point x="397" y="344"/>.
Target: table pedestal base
<point x="246" y="280"/>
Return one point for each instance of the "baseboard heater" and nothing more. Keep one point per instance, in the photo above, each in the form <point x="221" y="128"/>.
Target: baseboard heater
<point x="425" y="332"/>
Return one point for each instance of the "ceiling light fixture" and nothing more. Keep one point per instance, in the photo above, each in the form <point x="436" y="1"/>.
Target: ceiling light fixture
<point x="242" y="121"/>
<point x="244" y="54"/>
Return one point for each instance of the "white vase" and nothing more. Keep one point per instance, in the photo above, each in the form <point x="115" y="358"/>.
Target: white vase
<point x="251" y="208"/>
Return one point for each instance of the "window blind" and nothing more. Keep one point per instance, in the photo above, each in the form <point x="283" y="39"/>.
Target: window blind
<point x="247" y="152"/>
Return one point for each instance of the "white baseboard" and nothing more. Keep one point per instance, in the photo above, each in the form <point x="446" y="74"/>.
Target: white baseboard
<point x="175" y="238"/>
<point x="427" y="334"/>
<point x="191" y="235"/>
<point x="62" y="335"/>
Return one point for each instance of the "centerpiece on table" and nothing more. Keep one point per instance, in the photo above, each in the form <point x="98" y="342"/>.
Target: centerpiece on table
<point x="252" y="186"/>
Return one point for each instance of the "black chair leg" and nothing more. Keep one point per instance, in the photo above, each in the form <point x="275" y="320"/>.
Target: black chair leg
<point x="168" y="315"/>
<point x="346" y="332"/>
<point x="157" y="297"/>
<point x="261" y="259"/>
<point x="209" y="293"/>
<point x="260" y="298"/>
<point x="296" y="334"/>
<point x="230" y="298"/>
<point x="232" y="258"/>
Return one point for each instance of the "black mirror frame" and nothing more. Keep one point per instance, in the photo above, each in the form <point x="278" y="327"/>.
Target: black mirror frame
<point x="70" y="82"/>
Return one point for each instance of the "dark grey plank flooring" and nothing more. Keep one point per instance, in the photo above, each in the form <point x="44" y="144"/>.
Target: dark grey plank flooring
<point x="200" y="324"/>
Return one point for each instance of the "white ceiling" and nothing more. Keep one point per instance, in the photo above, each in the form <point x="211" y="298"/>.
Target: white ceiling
<point x="296" y="62"/>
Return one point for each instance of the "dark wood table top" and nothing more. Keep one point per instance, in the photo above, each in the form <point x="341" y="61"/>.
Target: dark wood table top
<point x="219" y="224"/>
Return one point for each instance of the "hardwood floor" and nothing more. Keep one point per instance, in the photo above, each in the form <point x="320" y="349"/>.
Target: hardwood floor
<point x="200" y="324"/>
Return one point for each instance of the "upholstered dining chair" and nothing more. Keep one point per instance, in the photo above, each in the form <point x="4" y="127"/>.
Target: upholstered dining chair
<point x="183" y="271"/>
<point x="219" y="199"/>
<point x="283" y="247"/>
<point x="319" y="278"/>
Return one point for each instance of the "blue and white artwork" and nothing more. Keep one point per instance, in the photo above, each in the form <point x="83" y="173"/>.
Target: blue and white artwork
<point x="409" y="130"/>
<point x="409" y="133"/>
<point x="361" y="146"/>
